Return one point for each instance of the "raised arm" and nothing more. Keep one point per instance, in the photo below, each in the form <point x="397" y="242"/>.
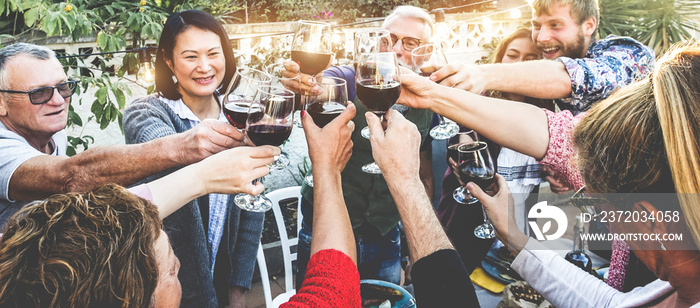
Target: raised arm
<point x="439" y="276"/>
<point x="330" y="148"/>
<point x="550" y="82"/>
<point x="332" y="278"/>
<point x="519" y="126"/>
<point x="229" y="172"/>
<point x="42" y="176"/>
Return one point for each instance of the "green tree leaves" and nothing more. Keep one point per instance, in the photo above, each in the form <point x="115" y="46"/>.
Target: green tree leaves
<point x="656" y="23"/>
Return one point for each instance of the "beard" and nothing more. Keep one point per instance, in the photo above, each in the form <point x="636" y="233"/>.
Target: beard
<point x="576" y="49"/>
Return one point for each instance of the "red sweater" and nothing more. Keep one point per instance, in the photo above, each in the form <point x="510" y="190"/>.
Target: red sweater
<point x="332" y="280"/>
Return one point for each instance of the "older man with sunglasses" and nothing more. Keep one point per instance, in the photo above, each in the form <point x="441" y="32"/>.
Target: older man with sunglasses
<point x="34" y="97"/>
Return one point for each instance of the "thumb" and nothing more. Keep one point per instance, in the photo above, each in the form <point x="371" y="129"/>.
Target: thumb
<point x="375" y="125"/>
<point x="346" y="116"/>
<point x="477" y="192"/>
<point x="392" y="116"/>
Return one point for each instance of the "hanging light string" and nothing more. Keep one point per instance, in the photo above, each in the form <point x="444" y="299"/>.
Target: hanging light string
<point x="461" y="6"/>
<point x="382" y="19"/>
<point x="148" y="49"/>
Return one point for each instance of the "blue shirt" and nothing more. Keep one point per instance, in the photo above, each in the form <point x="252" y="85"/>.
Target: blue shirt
<point x="609" y="64"/>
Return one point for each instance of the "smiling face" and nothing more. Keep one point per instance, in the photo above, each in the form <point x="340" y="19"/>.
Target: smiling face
<point x="36" y="123"/>
<point x="168" y="291"/>
<point x="198" y="63"/>
<point x="521" y="49"/>
<point x="558" y="35"/>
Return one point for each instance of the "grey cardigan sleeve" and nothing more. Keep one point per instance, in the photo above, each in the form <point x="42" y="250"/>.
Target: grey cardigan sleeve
<point x="247" y="238"/>
<point x="149" y="118"/>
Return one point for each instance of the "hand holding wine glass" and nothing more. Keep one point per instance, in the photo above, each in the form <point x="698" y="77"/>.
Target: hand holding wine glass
<point x="475" y="165"/>
<point x="269" y="122"/>
<point x="397" y="148"/>
<point x="378" y="86"/>
<point x="330" y="146"/>
<point x="500" y="212"/>
<point x="426" y="60"/>
<point x="326" y="105"/>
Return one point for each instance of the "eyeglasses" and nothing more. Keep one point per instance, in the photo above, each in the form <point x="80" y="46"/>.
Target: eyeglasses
<point x="587" y="203"/>
<point x="408" y="43"/>
<point x="42" y="95"/>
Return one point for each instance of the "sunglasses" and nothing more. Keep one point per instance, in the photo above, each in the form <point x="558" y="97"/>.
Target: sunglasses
<point x="588" y="203"/>
<point x="408" y="43"/>
<point x="42" y="95"/>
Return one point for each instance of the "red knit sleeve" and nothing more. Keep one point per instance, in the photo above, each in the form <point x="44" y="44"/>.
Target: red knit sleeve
<point x="560" y="156"/>
<point x="332" y="280"/>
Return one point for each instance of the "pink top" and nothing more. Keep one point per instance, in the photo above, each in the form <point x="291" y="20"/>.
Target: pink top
<point x="561" y="156"/>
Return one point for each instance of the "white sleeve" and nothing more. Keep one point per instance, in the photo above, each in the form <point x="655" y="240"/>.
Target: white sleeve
<point x="14" y="152"/>
<point x="565" y="285"/>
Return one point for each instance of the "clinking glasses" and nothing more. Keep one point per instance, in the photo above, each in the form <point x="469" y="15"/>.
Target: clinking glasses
<point x="42" y="95"/>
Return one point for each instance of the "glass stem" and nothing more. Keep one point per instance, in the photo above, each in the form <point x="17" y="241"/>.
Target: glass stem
<point x="486" y="217"/>
<point x="442" y="120"/>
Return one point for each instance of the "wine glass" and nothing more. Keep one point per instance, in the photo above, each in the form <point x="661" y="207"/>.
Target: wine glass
<point x="371" y="40"/>
<point x="240" y="93"/>
<point x="275" y="71"/>
<point x="327" y="105"/>
<point x="270" y="119"/>
<point x="378" y="86"/>
<point x="426" y="60"/>
<point x="475" y="165"/>
<point x="464" y="136"/>
<point x="312" y="48"/>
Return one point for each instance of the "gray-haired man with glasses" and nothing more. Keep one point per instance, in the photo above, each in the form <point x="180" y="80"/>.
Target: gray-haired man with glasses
<point x="34" y="97"/>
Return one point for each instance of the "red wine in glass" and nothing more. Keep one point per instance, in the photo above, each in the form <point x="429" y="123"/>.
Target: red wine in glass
<point x="268" y="134"/>
<point x="480" y="175"/>
<point x="311" y="63"/>
<point x="378" y="98"/>
<point x="324" y="112"/>
<point x="237" y="113"/>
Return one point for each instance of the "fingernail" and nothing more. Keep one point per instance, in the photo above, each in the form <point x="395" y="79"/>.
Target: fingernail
<point x="470" y="186"/>
<point x="303" y="113"/>
<point x="433" y="77"/>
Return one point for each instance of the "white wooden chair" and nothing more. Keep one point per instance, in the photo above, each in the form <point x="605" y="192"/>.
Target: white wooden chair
<point x="287" y="244"/>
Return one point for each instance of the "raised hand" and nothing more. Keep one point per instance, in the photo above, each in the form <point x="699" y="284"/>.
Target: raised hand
<point x="291" y="69"/>
<point x="499" y="209"/>
<point x="395" y="150"/>
<point x="460" y="76"/>
<point x="330" y="147"/>
<point x="207" y="138"/>
<point x="233" y="171"/>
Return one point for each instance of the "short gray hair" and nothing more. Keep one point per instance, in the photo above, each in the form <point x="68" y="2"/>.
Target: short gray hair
<point x="412" y="12"/>
<point x="9" y="52"/>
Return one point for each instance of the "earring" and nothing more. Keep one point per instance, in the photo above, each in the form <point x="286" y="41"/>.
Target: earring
<point x="662" y="246"/>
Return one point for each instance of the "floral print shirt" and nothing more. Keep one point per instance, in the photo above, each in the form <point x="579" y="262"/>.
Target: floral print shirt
<point x="609" y="64"/>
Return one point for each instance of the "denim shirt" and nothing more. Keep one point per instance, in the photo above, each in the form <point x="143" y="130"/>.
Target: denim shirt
<point x="609" y="64"/>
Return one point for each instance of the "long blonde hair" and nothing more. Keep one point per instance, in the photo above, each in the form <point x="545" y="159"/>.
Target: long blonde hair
<point x="675" y="82"/>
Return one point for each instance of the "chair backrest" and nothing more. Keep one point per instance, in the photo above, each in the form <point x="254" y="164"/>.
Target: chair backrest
<point x="286" y="243"/>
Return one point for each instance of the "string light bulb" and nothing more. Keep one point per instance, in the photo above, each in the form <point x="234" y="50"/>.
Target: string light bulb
<point x="515" y="13"/>
<point x="146" y="73"/>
